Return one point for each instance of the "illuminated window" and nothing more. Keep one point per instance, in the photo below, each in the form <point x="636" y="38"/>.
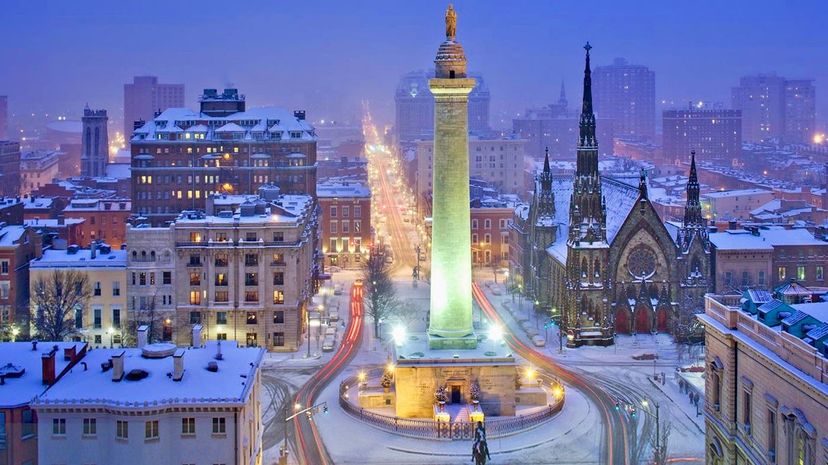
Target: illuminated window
<point x="195" y="298"/>
<point x="781" y="272"/>
<point x="800" y="273"/>
<point x="195" y="237"/>
<point x="278" y="297"/>
<point x="820" y="273"/>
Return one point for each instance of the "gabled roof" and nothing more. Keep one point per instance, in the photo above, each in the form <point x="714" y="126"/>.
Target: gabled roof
<point x="759" y="296"/>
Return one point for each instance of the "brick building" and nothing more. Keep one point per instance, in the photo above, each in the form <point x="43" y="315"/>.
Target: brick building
<point x="181" y="157"/>
<point x="345" y="223"/>
<point x="104" y="220"/>
<point x="11" y="210"/>
<point x="490" y="220"/>
<point x="767" y="257"/>
<point x="18" y="246"/>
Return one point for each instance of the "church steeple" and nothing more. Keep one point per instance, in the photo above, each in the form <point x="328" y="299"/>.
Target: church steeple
<point x="692" y="209"/>
<point x="562" y="98"/>
<point x="587" y="213"/>
<point x="546" y="197"/>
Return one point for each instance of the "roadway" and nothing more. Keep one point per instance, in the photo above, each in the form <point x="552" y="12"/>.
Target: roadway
<point x="616" y="435"/>
<point x="311" y="450"/>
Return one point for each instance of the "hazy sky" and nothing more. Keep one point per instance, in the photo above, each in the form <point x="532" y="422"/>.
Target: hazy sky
<point x="328" y="56"/>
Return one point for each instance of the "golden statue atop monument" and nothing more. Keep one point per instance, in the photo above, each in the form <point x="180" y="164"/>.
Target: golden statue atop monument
<point x="451" y="22"/>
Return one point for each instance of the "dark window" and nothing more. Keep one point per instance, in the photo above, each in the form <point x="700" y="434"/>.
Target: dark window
<point x="167" y="277"/>
<point x="221" y="259"/>
<point x="278" y="236"/>
<point x="279" y="339"/>
<point x="195" y="318"/>
<point x="278" y="278"/>
<point x="29" y="423"/>
<point x="251" y="318"/>
<point x="279" y="316"/>
<point x="251" y="259"/>
<point x="221" y="318"/>
<point x="251" y="279"/>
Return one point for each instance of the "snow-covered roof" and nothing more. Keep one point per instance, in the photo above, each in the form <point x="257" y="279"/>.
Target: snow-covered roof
<point x="118" y="170"/>
<point x="261" y="120"/>
<point x="81" y="258"/>
<point x="10" y="235"/>
<point x="780" y="237"/>
<point x="349" y="190"/>
<point x="620" y="197"/>
<point x="52" y="222"/>
<point x="736" y="193"/>
<point x="739" y="240"/>
<point x="21" y="390"/>
<point x="230" y="384"/>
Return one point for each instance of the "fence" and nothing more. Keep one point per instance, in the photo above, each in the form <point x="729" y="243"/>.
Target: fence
<point x="453" y="431"/>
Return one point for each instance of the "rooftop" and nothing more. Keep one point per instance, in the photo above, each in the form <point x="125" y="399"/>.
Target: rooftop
<point x="21" y="390"/>
<point x="229" y="384"/>
<point x="342" y="189"/>
<point x="80" y="258"/>
<point x="264" y="123"/>
<point x="10" y="235"/>
<point x="736" y="193"/>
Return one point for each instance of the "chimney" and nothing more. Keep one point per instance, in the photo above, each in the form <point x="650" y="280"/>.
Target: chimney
<point x="69" y="354"/>
<point x="34" y="345"/>
<point x="118" y="367"/>
<point x="48" y="364"/>
<point x="92" y="248"/>
<point x="143" y="334"/>
<point x="219" y="356"/>
<point x="196" y="335"/>
<point x="178" y="365"/>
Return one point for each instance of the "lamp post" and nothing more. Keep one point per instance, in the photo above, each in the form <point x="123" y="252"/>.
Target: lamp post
<point x="110" y="331"/>
<point x="495" y="334"/>
<point x="658" y="430"/>
<point x="520" y="295"/>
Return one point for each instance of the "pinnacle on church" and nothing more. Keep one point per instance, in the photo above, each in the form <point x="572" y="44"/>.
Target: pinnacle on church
<point x="642" y="184"/>
<point x="562" y="98"/>
<point x="587" y="140"/>
<point x="692" y="209"/>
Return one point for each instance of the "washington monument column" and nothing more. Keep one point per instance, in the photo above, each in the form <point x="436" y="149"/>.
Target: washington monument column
<point x="451" y="298"/>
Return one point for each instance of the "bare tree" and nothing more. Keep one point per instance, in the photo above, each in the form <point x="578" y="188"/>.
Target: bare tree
<point x="55" y="299"/>
<point x="145" y="314"/>
<point x="381" y="300"/>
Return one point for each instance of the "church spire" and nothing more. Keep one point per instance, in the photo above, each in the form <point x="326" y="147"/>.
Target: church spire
<point x="692" y="209"/>
<point x="546" y="198"/>
<point x="587" y="144"/>
<point x="562" y="98"/>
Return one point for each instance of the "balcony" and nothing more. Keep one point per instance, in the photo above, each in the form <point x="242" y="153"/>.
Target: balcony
<point x="194" y="263"/>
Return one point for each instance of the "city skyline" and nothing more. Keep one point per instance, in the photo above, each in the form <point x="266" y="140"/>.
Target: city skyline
<point x="703" y="63"/>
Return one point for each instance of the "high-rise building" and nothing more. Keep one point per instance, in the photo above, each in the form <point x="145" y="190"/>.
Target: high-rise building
<point x="95" y="143"/>
<point x="715" y="134"/>
<point x="4" y="117"/>
<point x="182" y="156"/>
<point x="554" y="128"/>
<point x="776" y="108"/>
<point x="415" y="107"/>
<point x="800" y="110"/>
<point x="145" y="96"/>
<point x="626" y="94"/>
<point x="9" y="169"/>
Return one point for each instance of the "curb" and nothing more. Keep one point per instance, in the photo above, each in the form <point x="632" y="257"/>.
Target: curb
<point x="692" y="420"/>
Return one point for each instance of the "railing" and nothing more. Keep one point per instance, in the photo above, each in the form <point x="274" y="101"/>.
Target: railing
<point x="450" y="431"/>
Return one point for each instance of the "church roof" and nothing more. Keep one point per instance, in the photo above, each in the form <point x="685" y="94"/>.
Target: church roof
<point x="620" y="198"/>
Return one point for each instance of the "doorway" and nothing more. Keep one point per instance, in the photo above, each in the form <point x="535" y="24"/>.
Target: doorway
<point x="455" y="395"/>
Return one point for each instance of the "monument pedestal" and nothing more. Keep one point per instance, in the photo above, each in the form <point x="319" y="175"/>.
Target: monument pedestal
<point x="420" y="370"/>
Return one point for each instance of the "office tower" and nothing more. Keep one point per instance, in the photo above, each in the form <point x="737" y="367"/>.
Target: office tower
<point x="625" y="93"/>
<point x="714" y="133"/>
<point x="95" y="143"/>
<point x="9" y="169"/>
<point x="774" y="107"/>
<point x="145" y="96"/>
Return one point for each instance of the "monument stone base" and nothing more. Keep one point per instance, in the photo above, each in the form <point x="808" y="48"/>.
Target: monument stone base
<point x="420" y="370"/>
<point x="452" y="343"/>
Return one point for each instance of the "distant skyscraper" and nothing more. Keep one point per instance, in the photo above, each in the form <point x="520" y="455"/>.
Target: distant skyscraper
<point x="800" y="110"/>
<point x="415" y="107"/>
<point x="4" y="117"/>
<point x="144" y="96"/>
<point x="554" y="128"/>
<point x="715" y="134"/>
<point x="9" y="169"/>
<point x="762" y="101"/>
<point x="94" y="143"/>
<point x="626" y="94"/>
<point x="776" y="108"/>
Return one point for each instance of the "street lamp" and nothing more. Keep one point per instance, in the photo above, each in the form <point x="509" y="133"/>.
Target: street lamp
<point x="520" y="295"/>
<point x="398" y="334"/>
<point x="15" y="331"/>
<point x="496" y="335"/>
<point x="110" y="331"/>
<point x="658" y="425"/>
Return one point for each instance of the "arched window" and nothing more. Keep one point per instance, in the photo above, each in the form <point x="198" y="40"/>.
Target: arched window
<point x="596" y="267"/>
<point x="584" y="268"/>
